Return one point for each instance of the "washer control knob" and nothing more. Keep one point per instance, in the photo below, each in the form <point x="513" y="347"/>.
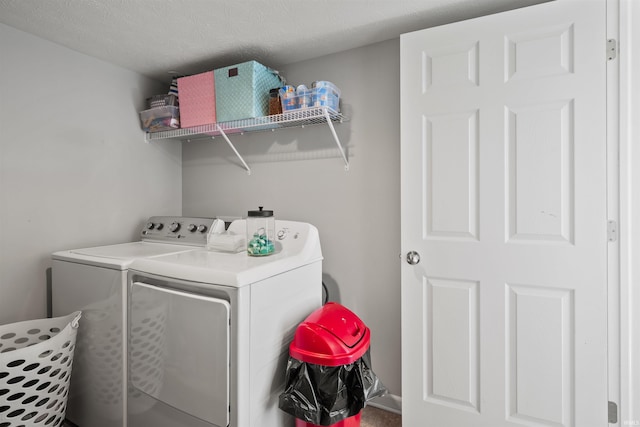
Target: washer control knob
<point x="202" y="228"/>
<point x="150" y="226"/>
<point x="174" y="227"/>
<point x="192" y="227"/>
<point x="159" y="226"/>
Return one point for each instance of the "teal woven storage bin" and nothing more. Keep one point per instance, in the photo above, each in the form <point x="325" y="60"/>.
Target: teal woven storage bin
<point x="242" y="90"/>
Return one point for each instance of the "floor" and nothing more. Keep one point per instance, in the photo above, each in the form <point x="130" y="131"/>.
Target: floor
<point x="374" y="417"/>
<point x="371" y="417"/>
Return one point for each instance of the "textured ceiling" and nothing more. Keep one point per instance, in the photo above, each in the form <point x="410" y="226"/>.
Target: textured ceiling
<point x="157" y="37"/>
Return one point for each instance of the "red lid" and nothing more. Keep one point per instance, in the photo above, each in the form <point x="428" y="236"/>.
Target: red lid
<point x="331" y="336"/>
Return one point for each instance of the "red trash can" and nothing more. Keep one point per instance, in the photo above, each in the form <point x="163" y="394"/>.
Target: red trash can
<point x="330" y="349"/>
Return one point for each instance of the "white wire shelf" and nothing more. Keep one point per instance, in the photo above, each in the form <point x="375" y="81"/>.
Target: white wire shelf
<point x="295" y="118"/>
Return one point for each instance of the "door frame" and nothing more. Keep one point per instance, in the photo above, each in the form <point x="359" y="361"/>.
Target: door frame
<point x="613" y="211"/>
<point x="625" y="13"/>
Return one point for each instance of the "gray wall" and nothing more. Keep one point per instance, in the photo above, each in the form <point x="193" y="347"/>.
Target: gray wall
<point x="74" y="168"/>
<point x="298" y="173"/>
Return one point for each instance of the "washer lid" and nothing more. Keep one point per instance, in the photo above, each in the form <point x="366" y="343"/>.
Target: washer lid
<point x="118" y="256"/>
<point x="132" y="250"/>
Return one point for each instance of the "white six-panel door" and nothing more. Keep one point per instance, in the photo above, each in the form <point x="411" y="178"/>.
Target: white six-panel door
<point x="504" y="319"/>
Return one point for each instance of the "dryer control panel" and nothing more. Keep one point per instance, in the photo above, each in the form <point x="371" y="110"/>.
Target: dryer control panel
<point x="177" y="229"/>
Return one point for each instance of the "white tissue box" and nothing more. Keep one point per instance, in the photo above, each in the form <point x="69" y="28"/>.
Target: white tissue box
<point x="226" y="242"/>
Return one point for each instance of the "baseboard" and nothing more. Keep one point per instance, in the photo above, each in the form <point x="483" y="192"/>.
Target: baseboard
<point x="390" y="402"/>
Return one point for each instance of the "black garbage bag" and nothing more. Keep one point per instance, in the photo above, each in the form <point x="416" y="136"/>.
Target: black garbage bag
<point x="325" y="395"/>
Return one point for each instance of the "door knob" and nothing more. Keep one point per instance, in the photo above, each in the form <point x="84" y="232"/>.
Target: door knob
<point x="413" y="257"/>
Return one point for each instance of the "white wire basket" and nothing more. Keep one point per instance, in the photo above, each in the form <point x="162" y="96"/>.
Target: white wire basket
<point x="35" y="367"/>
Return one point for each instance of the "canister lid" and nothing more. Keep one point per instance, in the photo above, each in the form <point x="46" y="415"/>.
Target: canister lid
<point x="260" y="213"/>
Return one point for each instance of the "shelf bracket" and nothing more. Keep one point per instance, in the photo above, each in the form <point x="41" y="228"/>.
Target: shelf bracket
<point x="335" y="137"/>
<point x="226" y="138"/>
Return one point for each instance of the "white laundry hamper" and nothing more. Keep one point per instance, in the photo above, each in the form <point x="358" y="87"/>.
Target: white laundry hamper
<point x="36" y="357"/>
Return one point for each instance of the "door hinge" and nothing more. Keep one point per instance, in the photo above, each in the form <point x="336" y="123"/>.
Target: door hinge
<point x="612" y="231"/>
<point x="613" y="412"/>
<point x="612" y="49"/>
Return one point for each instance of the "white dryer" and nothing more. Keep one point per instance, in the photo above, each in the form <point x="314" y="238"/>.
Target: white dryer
<point x="209" y="331"/>
<point x="94" y="280"/>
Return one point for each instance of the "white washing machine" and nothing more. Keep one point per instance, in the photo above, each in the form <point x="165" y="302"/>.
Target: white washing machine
<point x="209" y="331"/>
<point x="94" y="280"/>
